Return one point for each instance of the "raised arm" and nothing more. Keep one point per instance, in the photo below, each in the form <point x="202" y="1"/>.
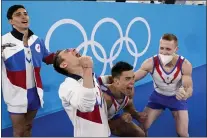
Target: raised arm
<point x="47" y="56"/>
<point x="146" y="67"/>
<point x="79" y="97"/>
<point x="82" y="97"/>
<point x="139" y="116"/>
<point x="130" y="108"/>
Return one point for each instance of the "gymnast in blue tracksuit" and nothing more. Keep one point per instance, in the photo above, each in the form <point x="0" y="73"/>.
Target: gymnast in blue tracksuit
<point x="21" y="63"/>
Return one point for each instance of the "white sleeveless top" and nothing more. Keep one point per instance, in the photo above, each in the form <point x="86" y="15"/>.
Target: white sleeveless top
<point x="167" y="83"/>
<point x="116" y="105"/>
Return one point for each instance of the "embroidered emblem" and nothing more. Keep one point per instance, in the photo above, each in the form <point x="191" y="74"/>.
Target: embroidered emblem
<point x="37" y="47"/>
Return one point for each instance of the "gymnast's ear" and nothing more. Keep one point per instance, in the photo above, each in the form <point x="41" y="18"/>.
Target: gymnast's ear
<point x="116" y="80"/>
<point x="63" y="65"/>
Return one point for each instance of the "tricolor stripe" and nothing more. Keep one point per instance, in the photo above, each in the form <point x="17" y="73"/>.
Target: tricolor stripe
<point x="93" y="116"/>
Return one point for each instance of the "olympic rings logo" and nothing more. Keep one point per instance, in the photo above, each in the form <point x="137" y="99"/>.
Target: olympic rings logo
<point x="123" y="38"/>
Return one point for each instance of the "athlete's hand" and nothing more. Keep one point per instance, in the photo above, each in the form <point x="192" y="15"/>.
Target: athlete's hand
<point x="6" y="45"/>
<point x="86" y="62"/>
<point x="126" y="117"/>
<point x="142" y="116"/>
<point x="181" y="94"/>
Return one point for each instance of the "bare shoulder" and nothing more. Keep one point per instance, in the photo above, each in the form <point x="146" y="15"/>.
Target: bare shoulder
<point x="148" y="61"/>
<point x="186" y="67"/>
<point x="107" y="99"/>
<point x="147" y="64"/>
